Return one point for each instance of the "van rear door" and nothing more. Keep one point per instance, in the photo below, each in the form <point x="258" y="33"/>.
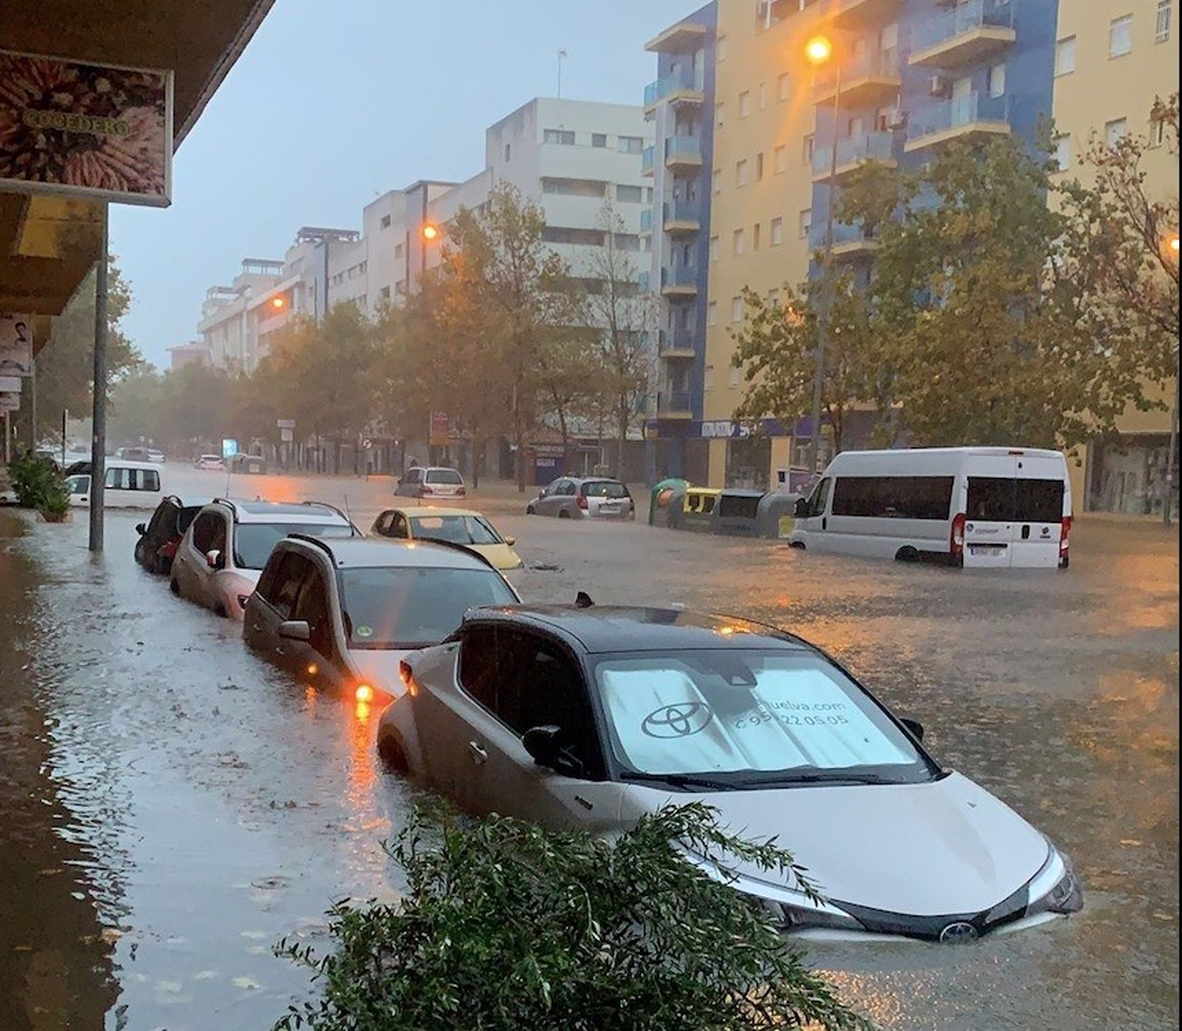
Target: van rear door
<point x="989" y="511"/>
<point x="1040" y="502"/>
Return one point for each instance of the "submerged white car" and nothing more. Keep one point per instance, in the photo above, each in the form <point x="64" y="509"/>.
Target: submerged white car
<point x="592" y="716"/>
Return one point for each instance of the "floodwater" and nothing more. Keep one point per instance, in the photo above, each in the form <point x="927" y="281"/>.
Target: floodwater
<point x="170" y="806"/>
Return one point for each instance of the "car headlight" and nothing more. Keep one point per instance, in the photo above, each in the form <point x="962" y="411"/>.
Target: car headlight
<point x="1055" y="888"/>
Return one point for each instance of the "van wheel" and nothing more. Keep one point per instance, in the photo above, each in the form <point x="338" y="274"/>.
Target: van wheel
<point x="798" y="545"/>
<point x="174" y="586"/>
<point x="564" y="514"/>
<point x="529" y="510"/>
<point x="220" y="610"/>
<point x="391" y="753"/>
<point x="907" y="554"/>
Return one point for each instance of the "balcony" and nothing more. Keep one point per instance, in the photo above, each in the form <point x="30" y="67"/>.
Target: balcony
<point x="849" y="14"/>
<point x="853" y="152"/>
<point x="676" y="89"/>
<point x="679" y="282"/>
<point x="869" y="80"/>
<point x="648" y="160"/>
<point x="975" y="115"/>
<point x="675" y="404"/>
<point x="646" y="221"/>
<point x="850" y="241"/>
<point x="644" y="282"/>
<point x="676" y="344"/>
<point x="685" y="35"/>
<point x="683" y="152"/>
<point x="966" y="34"/>
<point x="682" y="216"/>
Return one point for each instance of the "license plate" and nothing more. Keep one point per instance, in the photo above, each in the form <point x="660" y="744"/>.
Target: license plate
<point x="986" y="549"/>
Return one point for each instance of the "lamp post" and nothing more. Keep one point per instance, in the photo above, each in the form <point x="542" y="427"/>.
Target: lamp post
<point x="1173" y="246"/>
<point x="819" y="51"/>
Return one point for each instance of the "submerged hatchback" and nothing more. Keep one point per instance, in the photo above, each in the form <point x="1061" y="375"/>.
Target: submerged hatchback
<point x="591" y="717"/>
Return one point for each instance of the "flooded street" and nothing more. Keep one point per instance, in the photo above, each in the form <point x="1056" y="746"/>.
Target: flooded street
<point x="173" y="806"/>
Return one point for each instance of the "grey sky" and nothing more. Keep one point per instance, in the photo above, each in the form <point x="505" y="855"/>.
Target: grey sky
<point x="336" y="101"/>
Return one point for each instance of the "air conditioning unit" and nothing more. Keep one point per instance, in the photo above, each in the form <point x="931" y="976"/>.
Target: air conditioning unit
<point x="939" y="86"/>
<point x="896" y="120"/>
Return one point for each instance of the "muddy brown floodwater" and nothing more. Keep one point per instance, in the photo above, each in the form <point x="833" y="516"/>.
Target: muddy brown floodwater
<point x="170" y="806"/>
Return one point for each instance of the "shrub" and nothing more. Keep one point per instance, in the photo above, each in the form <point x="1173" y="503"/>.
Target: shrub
<point x="505" y="926"/>
<point x="39" y="484"/>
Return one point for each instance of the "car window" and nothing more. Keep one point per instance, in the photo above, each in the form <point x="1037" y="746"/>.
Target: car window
<point x="205" y="531"/>
<point x="819" y="498"/>
<point x="749" y="714"/>
<point x="253" y="541"/>
<point x="398" y="526"/>
<point x="184" y="517"/>
<point x="78" y="484"/>
<point x="283" y="585"/>
<point x="163" y="519"/>
<point x="381" y="525"/>
<point x="123" y="478"/>
<point x="312" y="606"/>
<point x="604" y="489"/>
<point x="388" y="607"/>
<point x="454" y="528"/>
<point x="568" y="489"/>
<point x="446" y="476"/>
<point x="413" y="476"/>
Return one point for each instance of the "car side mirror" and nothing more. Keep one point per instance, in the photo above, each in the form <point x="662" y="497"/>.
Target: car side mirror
<point x="510" y="541"/>
<point x="295" y="630"/>
<point x="544" y="744"/>
<point x="541" y="493"/>
<point x="914" y="726"/>
<point x="801" y="509"/>
<point x="141" y="528"/>
<point x="214" y="559"/>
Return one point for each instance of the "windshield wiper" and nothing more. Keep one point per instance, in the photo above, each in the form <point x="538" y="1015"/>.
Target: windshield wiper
<point x="677" y="780"/>
<point x="788" y="779"/>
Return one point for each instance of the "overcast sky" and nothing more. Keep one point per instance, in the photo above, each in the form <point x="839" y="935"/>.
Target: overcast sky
<point x="337" y="101"/>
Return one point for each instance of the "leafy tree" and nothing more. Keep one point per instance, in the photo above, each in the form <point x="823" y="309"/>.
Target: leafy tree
<point x="776" y="346"/>
<point x="506" y="926"/>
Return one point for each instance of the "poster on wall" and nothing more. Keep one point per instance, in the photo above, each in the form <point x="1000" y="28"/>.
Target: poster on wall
<point x="85" y="130"/>
<point x="16" y="345"/>
<point x="10" y="402"/>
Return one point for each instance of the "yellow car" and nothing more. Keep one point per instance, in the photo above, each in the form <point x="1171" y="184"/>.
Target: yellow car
<point x="454" y="525"/>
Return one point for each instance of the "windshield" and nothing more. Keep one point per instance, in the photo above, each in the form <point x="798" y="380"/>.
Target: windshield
<point x="413" y="607"/>
<point x="749" y="718"/>
<point x="604" y="489"/>
<point x="444" y="476"/>
<point x="253" y="541"/>
<point x="454" y="528"/>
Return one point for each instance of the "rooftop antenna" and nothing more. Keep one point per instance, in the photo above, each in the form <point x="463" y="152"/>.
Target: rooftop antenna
<point x="561" y="58"/>
<point x="349" y="515"/>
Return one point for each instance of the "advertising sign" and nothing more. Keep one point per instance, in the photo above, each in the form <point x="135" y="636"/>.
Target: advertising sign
<point x="16" y="343"/>
<point x="440" y="434"/>
<point x="86" y="130"/>
<point x="10" y="384"/>
<point x="229" y="447"/>
<point x="10" y="402"/>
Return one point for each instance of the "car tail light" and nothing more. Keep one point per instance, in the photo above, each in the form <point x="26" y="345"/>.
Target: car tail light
<point x="461" y="493"/>
<point x="581" y="502"/>
<point x="427" y="490"/>
<point x="957" y="542"/>
<point x="1063" y="538"/>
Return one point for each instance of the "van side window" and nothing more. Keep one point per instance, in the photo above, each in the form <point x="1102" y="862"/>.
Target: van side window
<point x="819" y="498"/>
<point x="893" y="497"/>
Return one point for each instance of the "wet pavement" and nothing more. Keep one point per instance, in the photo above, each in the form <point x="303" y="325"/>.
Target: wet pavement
<point x="170" y="806"/>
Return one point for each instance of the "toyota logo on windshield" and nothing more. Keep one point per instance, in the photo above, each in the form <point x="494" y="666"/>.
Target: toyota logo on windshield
<point x="680" y="720"/>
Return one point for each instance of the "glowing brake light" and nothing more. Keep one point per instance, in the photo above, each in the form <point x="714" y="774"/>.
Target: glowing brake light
<point x="1063" y="537"/>
<point x="956" y="545"/>
<point x="581" y="502"/>
<point x="364" y="693"/>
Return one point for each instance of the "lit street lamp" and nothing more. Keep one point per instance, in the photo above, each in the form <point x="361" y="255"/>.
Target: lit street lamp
<point x="819" y="51"/>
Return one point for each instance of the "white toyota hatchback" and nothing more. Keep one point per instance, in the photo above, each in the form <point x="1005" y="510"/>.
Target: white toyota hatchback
<point x="218" y="561"/>
<point x="593" y="716"/>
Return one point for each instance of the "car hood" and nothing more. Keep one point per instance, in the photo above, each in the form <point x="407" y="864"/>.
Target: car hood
<point x="932" y="849"/>
<point x="501" y="556"/>
<point x="379" y="669"/>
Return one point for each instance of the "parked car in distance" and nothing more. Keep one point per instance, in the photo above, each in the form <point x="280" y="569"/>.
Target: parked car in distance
<point x="221" y="555"/>
<point x="592" y="716"/>
<point x="450" y="525"/>
<point x="244" y="463"/>
<point x="155" y="456"/>
<point x="569" y="497"/>
<point x="431" y="481"/>
<point x="134" y="454"/>
<point x="210" y="462"/>
<point x="342" y="614"/>
<point x="160" y="536"/>
<point x="127" y="485"/>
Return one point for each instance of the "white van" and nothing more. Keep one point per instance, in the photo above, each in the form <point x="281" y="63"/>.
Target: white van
<point x="128" y="485"/>
<point x="991" y="507"/>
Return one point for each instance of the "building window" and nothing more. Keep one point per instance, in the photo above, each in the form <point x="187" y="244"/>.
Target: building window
<point x="720" y="49"/>
<point x="1164" y="17"/>
<point x="1063" y="153"/>
<point x="806" y="149"/>
<point x="780" y="159"/>
<point x="631" y="144"/>
<point x="630" y="194"/>
<point x="1120" y="36"/>
<point x="627" y="241"/>
<point x="773" y="298"/>
<point x="997" y="80"/>
<point x="398" y="250"/>
<point x="384" y="293"/>
<point x="573" y="235"/>
<point x="714" y="248"/>
<point x="737" y="309"/>
<point x="385" y="223"/>
<point x="744" y="104"/>
<point x="1065" y="56"/>
<point x="740" y="242"/>
<point x="762" y="96"/>
<point x="733" y="376"/>
<point x="574" y="187"/>
<point x="756" y="232"/>
<point x="783" y="87"/>
<point x="599" y="139"/>
<point x="1157" y="132"/>
<point x="565" y="137"/>
<point x="717" y="179"/>
<point x="805" y="223"/>
<point x="712" y="313"/>
<point x="708" y="378"/>
<point x="741" y="173"/>
<point x="1115" y="131"/>
<point x="758" y="167"/>
<point x="777" y="232"/>
<point x="720" y="114"/>
<point x="508" y="152"/>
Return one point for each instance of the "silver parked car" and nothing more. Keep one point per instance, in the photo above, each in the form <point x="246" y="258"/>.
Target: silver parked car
<point x="591" y="717"/>
<point x="341" y="614"/>
<point x="431" y="482"/>
<point x="569" y="497"/>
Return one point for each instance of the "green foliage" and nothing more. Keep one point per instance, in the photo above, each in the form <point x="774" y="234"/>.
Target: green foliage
<point x="505" y="926"/>
<point x="39" y="484"/>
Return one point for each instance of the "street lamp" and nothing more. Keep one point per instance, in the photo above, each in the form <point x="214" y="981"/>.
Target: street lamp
<point x="430" y="232"/>
<point x="819" y="51"/>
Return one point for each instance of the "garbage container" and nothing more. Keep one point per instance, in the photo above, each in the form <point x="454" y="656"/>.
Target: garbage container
<point x="777" y="514"/>
<point x="736" y="511"/>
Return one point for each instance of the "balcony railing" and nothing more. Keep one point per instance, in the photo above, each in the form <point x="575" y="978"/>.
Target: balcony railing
<point x="647" y="160"/>
<point x="679" y="279"/>
<point x="646" y="220"/>
<point x="874" y="64"/>
<point x="682" y="211"/>
<point x="866" y="146"/>
<point x="686" y="149"/>
<point x="644" y="282"/>
<point x="957" y="113"/>
<point x="675" y="401"/>
<point x="961" y="19"/>
<point x="845" y="234"/>
<point x="657" y="91"/>
<point x="677" y="342"/>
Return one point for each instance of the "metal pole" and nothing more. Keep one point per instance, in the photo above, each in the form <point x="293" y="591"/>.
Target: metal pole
<point x="65" y="416"/>
<point x="826" y="286"/>
<point x="98" y="440"/>
<point x="423" y="241"/>
<point x="1171" y="456"/>
<point x="33" y="405"/>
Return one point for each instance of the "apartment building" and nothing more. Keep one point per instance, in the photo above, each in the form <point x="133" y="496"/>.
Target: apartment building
<point x="1113" y="58"/>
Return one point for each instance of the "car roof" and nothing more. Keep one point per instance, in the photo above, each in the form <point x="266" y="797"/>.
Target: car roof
<point x="187" y="502"/>
<point x="625" y="628"/>
<point x="412" y="511"/>
<point x="128" y="463"/>
<point x="370" y="552"/>
<point x="283" y="511"/>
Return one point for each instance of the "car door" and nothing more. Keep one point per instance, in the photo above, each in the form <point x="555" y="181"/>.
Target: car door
<point x="814" y="525"/>
<point x="411" y="482"/>
<point x="189" y="568"/>
<point x="156" y="534"/>
<point x="318" y="659"/>
<point x="547" y="504"/>
<point x="273" y="602"/>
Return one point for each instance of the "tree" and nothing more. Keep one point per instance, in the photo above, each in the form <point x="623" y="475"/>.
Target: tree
<point x="776" y="346"/>
<point x="583" y="934"/>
